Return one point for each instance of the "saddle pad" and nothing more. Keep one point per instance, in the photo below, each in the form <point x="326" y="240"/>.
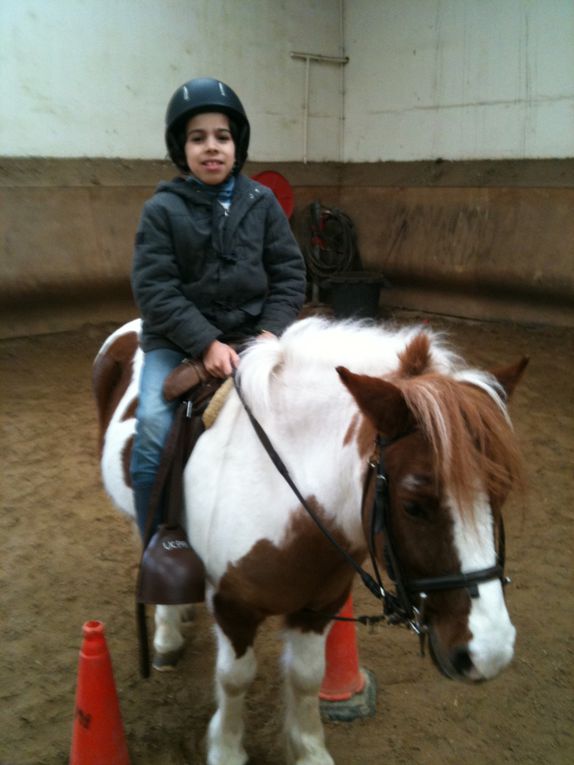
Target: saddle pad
<point x="214" y="406"/>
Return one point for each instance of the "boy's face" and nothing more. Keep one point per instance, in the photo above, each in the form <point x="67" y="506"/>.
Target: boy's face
<point x="209" y="147"/>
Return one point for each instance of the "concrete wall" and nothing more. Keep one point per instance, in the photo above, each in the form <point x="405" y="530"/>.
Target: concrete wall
<point x="459" y="79"/>
<point x="486" y="240"/>
<point x="93" y="77"/>
<point x="427" y="80"/>
<point x="490" y="240"/>
<point x="456" y="79"/>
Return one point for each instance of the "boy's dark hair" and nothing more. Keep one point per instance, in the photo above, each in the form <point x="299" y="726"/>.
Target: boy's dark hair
<point x="205" y="94"/>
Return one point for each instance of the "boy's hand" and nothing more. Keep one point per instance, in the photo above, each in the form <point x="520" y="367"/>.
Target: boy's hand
<point x="219" y="359"/>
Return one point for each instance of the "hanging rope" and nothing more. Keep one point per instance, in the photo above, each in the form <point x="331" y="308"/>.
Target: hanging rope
<point x="332" y="244"/>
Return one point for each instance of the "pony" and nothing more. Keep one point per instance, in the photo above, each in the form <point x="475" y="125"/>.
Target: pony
<point x="355" y="410"/>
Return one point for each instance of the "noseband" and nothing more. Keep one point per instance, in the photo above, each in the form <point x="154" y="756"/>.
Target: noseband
<point x="399" y="607"/>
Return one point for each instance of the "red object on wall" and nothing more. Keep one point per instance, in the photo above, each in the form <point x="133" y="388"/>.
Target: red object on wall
<point x="280" y="186"/>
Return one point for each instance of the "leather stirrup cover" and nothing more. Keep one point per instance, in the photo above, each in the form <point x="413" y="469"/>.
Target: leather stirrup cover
<point x="171" y="572"/>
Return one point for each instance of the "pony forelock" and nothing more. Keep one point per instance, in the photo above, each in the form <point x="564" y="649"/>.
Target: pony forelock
<point x="464" y="419"/>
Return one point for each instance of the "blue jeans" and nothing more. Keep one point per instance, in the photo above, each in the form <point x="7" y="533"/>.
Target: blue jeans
<point x="154" y="416"/>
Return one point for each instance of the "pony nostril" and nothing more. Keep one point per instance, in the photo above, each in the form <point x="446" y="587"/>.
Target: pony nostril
<point x="461" y="661"/>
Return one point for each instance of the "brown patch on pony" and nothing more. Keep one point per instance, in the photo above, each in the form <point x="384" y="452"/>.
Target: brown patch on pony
<point x="448" y="615"/>
<point x="304" y="572"/>
<point x="130" y="412"/>
<point x="470" y="436"/>
<point x="126" y="459"/>
<point x="111" y="375"/>
<point x="366" y="436"/>
<point x="362" y="432"/>
<point x="415" y="360"/>
<point x="349" y="435"/>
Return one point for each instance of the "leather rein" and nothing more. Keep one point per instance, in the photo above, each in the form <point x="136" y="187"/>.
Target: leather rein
<point x="399" y="607"/>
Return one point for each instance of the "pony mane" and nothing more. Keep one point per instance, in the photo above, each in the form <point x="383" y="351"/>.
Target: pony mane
<point x="315" y="346"/>
<point x="464" y="419"/>
<point x="461" y="411"/>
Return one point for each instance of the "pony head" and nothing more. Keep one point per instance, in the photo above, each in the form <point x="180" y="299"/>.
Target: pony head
<point x="451" y="459"/>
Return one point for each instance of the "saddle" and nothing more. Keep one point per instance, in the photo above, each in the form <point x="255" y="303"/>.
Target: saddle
<point x="207" y="394"/>
<point x="170" y="571"/>
<point x="185" y="378"/>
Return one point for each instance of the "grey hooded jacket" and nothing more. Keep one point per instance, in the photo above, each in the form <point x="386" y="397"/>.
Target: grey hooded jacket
<point x="200" y="274"/>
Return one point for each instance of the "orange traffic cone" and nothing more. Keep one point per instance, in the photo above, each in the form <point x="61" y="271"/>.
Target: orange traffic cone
<point x="98" y="736"/>
<point x="347" y="692"/>
<point x="343" y="677"/>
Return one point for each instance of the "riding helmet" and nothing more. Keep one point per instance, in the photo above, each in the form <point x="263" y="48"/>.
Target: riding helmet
<point x="205" y="94"/>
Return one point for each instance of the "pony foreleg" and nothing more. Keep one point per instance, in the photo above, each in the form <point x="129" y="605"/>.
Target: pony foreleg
<point x="233" y="678"/>
<point x="304" y="666"/>
<point x="168" y="639"/>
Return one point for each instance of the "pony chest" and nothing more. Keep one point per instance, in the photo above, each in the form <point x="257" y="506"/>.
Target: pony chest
<point x="301" y="569"/>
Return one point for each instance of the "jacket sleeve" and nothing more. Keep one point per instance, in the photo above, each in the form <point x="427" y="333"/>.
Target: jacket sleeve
<point x="285" y="270"/>
<point x="156" y="285"/>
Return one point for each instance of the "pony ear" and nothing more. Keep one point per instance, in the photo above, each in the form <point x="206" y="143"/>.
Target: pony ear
<point x="509" y="377"/>
<point x="380" y="401"/>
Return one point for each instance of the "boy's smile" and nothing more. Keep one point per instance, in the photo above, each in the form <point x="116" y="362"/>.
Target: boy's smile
<point x="209" y="147"/>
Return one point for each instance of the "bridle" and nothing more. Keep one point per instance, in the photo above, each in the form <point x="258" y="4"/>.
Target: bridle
<point x="405" y="606"/>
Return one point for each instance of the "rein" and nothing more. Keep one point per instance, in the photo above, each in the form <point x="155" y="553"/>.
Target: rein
<point x="367" y="579"/>
<point x="398" y="607"/>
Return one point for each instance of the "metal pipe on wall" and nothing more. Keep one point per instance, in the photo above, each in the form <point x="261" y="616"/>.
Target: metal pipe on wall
<point x="342" y="81"/>
<point x="319" y="58"/>
<point x="306" y="110"/>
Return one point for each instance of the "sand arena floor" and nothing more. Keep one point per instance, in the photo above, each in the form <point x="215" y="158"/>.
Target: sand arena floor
<point x="67" y="556"/>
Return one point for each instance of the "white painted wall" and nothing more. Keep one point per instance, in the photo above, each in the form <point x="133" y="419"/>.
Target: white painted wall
<point x="458" y="79"/>
<point x="93" y="77"/>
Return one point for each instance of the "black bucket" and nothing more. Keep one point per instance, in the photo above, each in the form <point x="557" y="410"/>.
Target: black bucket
<point x="353" y="294"/>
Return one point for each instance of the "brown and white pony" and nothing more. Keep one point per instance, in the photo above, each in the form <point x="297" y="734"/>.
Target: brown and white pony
<point x="324" y="393"/>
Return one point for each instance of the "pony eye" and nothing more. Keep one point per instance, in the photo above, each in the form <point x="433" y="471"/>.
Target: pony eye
<point x="415" y="510"/>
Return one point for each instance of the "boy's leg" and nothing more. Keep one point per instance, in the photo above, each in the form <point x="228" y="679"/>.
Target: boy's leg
<point x="154" y="418"/>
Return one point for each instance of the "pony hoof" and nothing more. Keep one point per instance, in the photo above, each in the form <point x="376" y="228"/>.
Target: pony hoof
<point x="167" y="662"/>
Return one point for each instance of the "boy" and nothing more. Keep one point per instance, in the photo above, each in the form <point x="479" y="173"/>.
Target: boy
<point x="215" y="262"/>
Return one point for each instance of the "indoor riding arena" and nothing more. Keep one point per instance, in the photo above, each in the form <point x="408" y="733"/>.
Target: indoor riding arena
<point x="443" y="131"/>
